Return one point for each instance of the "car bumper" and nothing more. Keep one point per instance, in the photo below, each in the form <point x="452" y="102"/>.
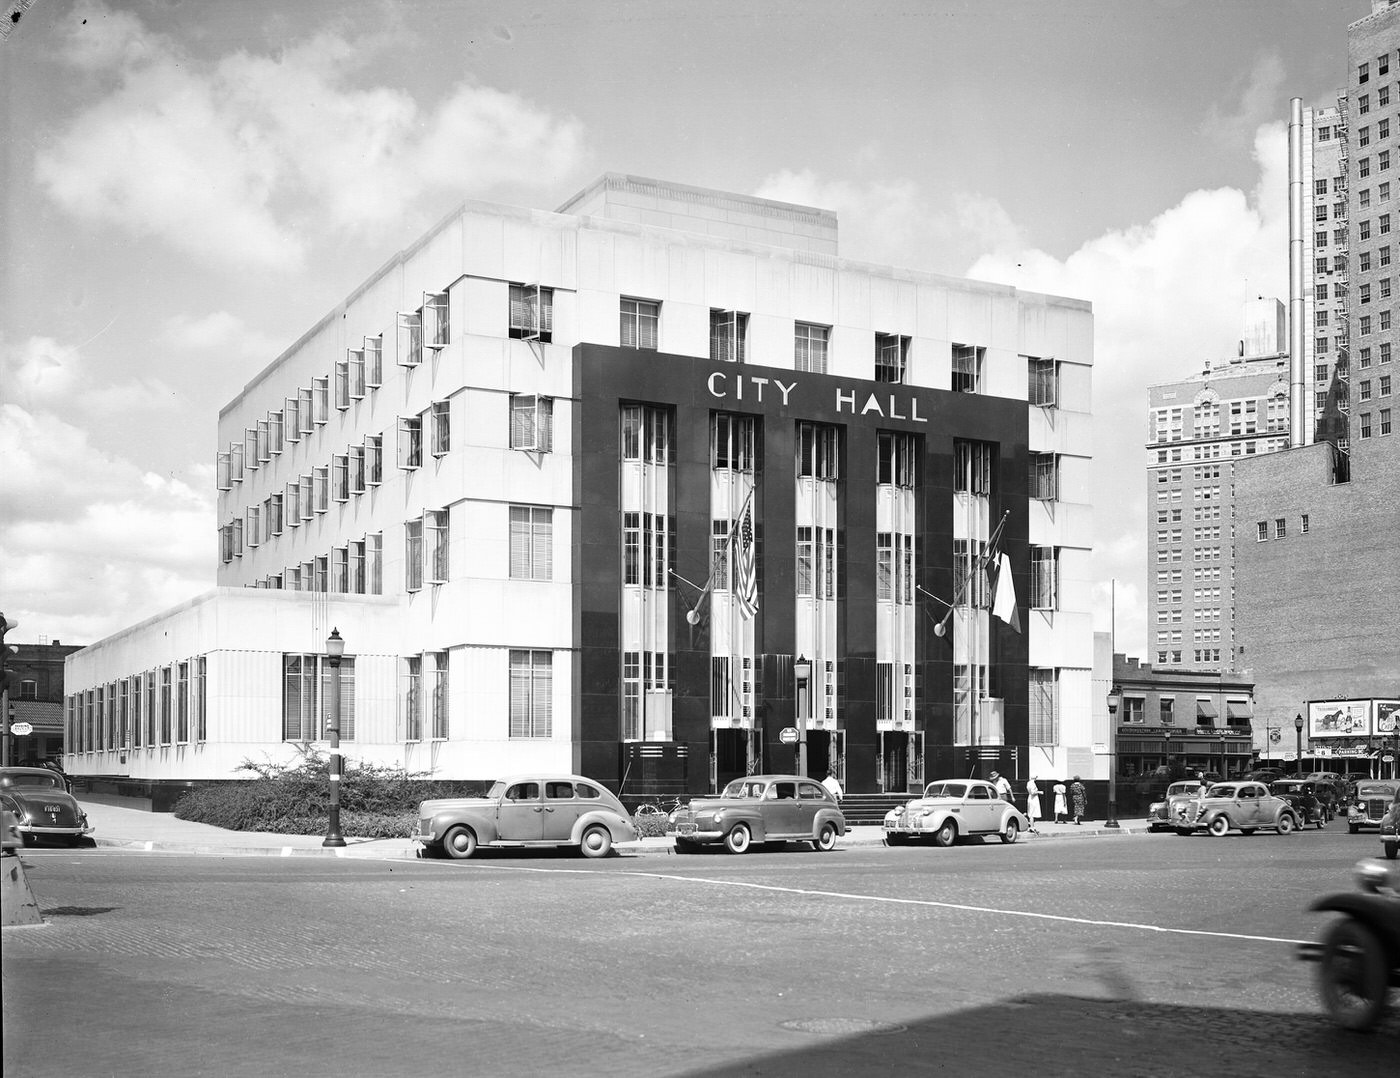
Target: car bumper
<point x="54" y="832"/>
<point x="691" y="833"/>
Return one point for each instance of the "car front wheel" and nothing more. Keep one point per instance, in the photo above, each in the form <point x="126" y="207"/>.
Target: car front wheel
<point x="945" y="835"/>
<point x="738" y="839"/>
<point x="1219" y="826"/>
<point x="826" y="838"/>
<point x="1285" y="825"/>
<point x="459" y="843"/>
<point x="1352" y="976"/>
<point x="596" y="842"/>
<point x="1012" y="832"/>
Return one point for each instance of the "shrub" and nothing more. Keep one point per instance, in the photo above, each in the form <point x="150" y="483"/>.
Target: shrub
<point x="292" y="799"/>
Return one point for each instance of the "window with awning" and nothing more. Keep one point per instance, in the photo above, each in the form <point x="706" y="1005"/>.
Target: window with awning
<point x="1239" y="709"/>
<point x="1205" y="709"/>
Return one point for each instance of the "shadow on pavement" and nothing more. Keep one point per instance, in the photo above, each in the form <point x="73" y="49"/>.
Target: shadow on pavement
<point x="1051" y="1035"/>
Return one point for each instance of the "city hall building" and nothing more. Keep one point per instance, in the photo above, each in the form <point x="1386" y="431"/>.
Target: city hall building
<point x="645" y="488"/>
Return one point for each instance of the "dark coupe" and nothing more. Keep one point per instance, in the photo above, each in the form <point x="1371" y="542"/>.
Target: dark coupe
<point x="42" y="806"/>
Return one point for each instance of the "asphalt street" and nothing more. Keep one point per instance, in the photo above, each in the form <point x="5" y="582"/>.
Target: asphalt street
<point x="1144" y="955"/>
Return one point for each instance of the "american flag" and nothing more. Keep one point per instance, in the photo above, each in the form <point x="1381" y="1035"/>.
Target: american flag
<point x="745" y="578"/>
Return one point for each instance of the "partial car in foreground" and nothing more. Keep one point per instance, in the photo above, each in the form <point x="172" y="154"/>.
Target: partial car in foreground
<point x="527" y="810"/>
<point x="761" y="808"/>
<point x="1358" y="956"/>
<point x="1244" y="806"/>
<point x="42" y="806"/>
<point x="1372" y="801"/>
<point x="951" y="809"/>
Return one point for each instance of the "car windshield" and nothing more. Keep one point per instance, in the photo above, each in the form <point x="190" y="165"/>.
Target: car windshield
<point x="1178" y="788"/>
<point x="745" y="788"/>
<point x="40" y="782"/>
<point x="946" y="789"/>
<point x="1368" y="790"/>
<point x="498" y="788"/>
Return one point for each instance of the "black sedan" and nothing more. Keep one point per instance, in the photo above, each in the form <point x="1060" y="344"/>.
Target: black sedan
<point x="42" y="807"/>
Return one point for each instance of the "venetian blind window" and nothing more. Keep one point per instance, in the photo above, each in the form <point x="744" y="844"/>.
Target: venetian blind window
<point x="732" y="442"/>
<point x="728" y="330"/>
<point x="438" y="660"/>
<point x="531" y="423"/>
<point x="640" y="319"/>
<point x="1043" y="698"/>
<point x="531" y="693"/>
<point x="891" y="357"/>
<point x="1042" y="382"/>
<point x="531" y="542"/>
<point x="967" y="368"/>
<point x="810" y="347"/>
<point x="531" y="313"/>
<point x="1043" y="476"/>
<point x="306" y="697"/>
<point x="1045" y="578"/>
<point x="413" y="698"/>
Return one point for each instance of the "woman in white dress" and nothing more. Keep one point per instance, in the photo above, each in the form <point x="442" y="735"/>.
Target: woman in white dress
<point x="1032" y="802"/>
<point x="1061" y="808"/>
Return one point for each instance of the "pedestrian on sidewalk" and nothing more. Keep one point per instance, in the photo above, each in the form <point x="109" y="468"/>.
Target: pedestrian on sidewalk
<point x="1003" y="786"/>
<point x="1061" y="809"/>
<point x="1077" y="799"/>
<point x="1032" y="804"/>
<point x="832" y="783"/>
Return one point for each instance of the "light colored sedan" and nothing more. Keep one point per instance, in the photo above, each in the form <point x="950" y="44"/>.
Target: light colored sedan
<point x="951" y="809"/>
<point x="762" y="809"/>
<point x="527" y="810"/>
<point x="1243" y="806"/>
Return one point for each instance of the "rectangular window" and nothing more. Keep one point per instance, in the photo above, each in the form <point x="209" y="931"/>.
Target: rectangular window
<point x="437" y="320"/>
<point x="1045" y="578"/>
<point x="531" y="693"/>
<point x="732" y="442"/>
<point x="1384" y="421"/>
<point x="374" y="362"/>
<point x="1043" y="476"/>
<point x="320" y="401"/>
<point x="1280" y="528"/>
<point x="374" y="562"/>
<point x="355" y="464"/>
<point x="342" y="384"/>
<point x="413" y="554"/>
<point x="810" y="347"/>
<point x="410" y="441"/>
<point x="640" y="319"/>
<point x="413" y="698"/>
<point x="321" y="493"/>
<point x="1303" y="524"/>
<point x="165" y="705"/>
<point x="646" y="434"/>
<point x="531" y="423"/>
<point x="321" y="574"/>
<point x="891" y="357"/>
<point x="182" y="704"/>
<point x="974" y="466"/>
<point x="1043" y="698"/>
<point x="306" y="697"/>
<point x="897" y="459"/>
<point x="1365" y="420"/>
<point x="340" y="570"/>
<point x="532" y="542"/>
<point x="438" y="522"/>
<point x="357" y="374"/>
<point x="357" y="568"/>
<point x="818" y="451"/>
<point x="410" y="338"/>
<point x="531" y="313"/>
<point x="1042" y="382"/>
<point x="1319" y="187"/>
<point x="438" y="668"/>
<point x="1261" y="531"/>
<point x="374" y="460"/>
<point x="201" y="699"/>
<point x="340" y="477"/>
<point x="967" y="368"/>
<point x="728" y="333"/>
<point x="441" y="440"/>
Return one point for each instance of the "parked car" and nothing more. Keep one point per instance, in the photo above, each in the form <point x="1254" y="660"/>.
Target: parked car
<point x="1266" y="775"/>
<point x="42" y="806"/>
<point x="527" y="810"/>
<point x="1390" y="829"/>
<point x="1372" y="801"/>
<point x="1358" y="956"/>
<point x="1247" y="806"/>
<point x="761" y="808"/>
<point x="952" y="808"/>
<point x="1162" y="814"/>
<point x="1302" y="795"/>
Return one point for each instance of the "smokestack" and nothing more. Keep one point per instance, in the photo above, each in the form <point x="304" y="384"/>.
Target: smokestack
<point x="1299" y="432"/>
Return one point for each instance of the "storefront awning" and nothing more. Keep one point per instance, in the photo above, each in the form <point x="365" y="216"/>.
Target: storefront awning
<point x="1239" y="709"/>
<point x="1205" y="709"/>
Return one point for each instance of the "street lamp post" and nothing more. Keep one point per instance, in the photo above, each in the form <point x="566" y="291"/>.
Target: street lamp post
<point x="1167" y="748"/>
<point x="1113" y="701"/>
<point x="802" y="670"/>
<point x="1298" y="729"/>
<point x="335" y="649"/>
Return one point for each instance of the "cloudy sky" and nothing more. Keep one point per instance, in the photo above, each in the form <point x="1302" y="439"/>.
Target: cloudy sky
<point x="190" y="186"/>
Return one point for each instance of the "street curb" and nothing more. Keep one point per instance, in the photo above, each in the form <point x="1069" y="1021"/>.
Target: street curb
<point x="363" y="849"/>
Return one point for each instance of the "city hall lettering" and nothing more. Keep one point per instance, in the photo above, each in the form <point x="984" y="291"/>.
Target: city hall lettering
<point x="753" y="387"/>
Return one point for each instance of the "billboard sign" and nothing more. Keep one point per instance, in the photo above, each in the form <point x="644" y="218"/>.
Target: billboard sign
<point x="1339" y="718"/>
<point x="1387" y="717"/>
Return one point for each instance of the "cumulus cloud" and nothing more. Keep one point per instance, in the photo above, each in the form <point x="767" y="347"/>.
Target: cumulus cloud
<point x="1168" y="297"/>
<point x="90" y="541"/>
<point x="248" y="160"/>
<point x="894" y="222"/>
<point x="1258" y="92"/>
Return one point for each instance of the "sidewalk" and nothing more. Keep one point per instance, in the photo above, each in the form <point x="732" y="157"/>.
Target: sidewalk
<point x="137" y="829"/>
